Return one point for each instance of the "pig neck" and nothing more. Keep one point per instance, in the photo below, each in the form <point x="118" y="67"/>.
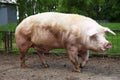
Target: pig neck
<point x="84" y="41"/>
<point x="72" y="38"/>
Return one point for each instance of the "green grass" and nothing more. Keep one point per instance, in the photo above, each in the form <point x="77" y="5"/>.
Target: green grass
<point x="58" y="50"/>
<point x="115" y="43"/>
<point x="112" y="26"/>
<point x="114" y="39"/>
<point x="9" y="27"/>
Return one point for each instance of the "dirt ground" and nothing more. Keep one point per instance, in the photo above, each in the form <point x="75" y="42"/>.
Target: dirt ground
<point x="60" y="68"/>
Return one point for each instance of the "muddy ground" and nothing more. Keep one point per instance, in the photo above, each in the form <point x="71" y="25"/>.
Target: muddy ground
<point x="98" y="68"/>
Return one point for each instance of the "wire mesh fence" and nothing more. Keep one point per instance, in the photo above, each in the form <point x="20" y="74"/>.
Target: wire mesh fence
<point x="115" y="42"/>
<point x="7" y="42"/>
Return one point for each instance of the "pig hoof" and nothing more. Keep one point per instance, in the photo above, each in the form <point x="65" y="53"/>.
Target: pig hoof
<point x="24" y="66"/>
<point x="77" y="71"/>
<point x="45" y="65"/>
<point x="81" y="66"/>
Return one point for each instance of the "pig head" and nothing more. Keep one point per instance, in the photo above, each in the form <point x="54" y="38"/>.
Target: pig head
<point x="50" y="30"/>
<point x="94" y="37"/>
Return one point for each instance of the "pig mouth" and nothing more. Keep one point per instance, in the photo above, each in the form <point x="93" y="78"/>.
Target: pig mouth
<point x="106" y="46"/>
<point x="102" y="49"/>
<point x="98" y="50"/>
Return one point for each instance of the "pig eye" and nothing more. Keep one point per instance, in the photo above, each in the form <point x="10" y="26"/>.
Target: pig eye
<point x="93" y="37"/>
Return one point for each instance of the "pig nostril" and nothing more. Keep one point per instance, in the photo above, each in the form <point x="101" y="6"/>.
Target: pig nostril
<point x="108" y="45"/>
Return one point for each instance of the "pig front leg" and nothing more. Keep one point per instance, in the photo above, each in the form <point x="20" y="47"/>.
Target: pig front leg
<point x="73" y="56"/>
<point x="84" y="56"/>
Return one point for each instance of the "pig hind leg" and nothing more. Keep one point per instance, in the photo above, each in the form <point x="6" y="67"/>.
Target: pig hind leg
<point x="23" y="46"/>
<point x="40" y="52"/>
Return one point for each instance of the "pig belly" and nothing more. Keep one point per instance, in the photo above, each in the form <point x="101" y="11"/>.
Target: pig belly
<point x="46" y="39"/>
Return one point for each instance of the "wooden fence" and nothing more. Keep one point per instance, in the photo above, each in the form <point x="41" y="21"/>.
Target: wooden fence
<point x="6" y="38"/>
<point x="7" y="42"/>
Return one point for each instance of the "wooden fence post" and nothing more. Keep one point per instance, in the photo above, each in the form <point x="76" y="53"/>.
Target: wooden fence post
<point x="8" y="41"/>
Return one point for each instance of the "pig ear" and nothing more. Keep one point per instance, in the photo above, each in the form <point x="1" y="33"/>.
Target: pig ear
<point x="108" y="30"/>
<point x="91" y="32"/>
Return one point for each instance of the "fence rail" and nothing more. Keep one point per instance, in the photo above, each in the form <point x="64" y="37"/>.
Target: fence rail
<point x="7" y="41"/>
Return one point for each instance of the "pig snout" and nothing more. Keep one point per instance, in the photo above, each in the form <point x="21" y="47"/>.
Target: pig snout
<point x="107" y="45"/>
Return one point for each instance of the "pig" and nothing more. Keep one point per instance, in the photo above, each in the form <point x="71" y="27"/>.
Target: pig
<point x="51" y="30"/>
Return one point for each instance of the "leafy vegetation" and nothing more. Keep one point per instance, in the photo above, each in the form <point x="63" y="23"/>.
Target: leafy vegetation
<point x="96" y="9"/>
<point x="113" y="26"/>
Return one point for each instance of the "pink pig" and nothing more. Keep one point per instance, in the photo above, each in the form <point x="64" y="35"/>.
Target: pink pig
<point x="50" y="30"/>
